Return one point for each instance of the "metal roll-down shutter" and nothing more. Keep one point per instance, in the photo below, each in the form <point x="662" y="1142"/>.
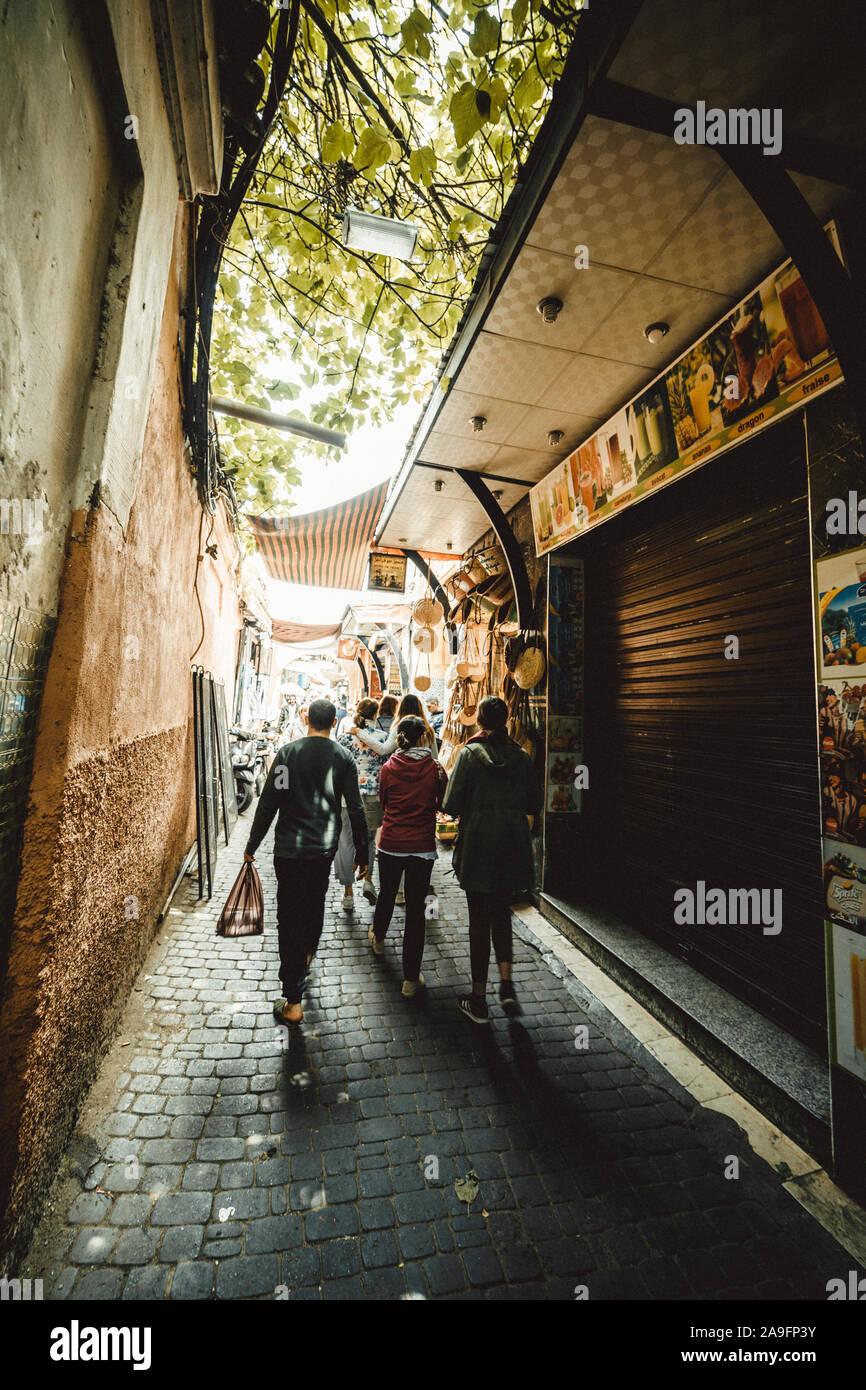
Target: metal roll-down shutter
<point x="703" y="768"/>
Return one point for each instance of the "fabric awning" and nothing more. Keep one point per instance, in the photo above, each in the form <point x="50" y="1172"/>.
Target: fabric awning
<point x="289" y="633"/>
<point x="328" y="548"/>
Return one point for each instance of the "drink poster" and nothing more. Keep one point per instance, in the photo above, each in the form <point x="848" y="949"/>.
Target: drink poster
<point x="565" y="774"/>
<point x="841" y="588"/>
<point x="764" y="359"/>
<point x="848" y="1021"/>
<point x="845" y="884"/>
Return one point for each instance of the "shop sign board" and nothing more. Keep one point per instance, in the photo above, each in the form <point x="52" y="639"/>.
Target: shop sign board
<point x="762" y="360"/>
<point x="387" y="572"/>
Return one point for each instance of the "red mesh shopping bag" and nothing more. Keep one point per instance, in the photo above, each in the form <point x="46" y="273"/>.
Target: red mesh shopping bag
<point x="244" y="912"/>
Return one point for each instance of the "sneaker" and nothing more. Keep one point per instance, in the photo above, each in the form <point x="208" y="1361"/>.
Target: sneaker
<point x="508" y="998"/>
<point x="348" y="903"/>
<point x="369" y="891"/>
<point x="378" y="946"/>
<point x="400" y="900"/>
<point x="411" y="987"/>
<point x="474" y="1007"/>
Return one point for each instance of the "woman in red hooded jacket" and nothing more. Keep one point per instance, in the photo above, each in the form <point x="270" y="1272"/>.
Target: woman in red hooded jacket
<point x="411" y="788"/>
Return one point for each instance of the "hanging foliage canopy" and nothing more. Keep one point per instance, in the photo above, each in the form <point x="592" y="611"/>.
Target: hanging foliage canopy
<point x="422" y="112"/>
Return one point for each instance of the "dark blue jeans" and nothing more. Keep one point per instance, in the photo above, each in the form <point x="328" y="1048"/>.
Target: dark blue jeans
<point x="302" y="885"/>
<point x="416" y="887"/>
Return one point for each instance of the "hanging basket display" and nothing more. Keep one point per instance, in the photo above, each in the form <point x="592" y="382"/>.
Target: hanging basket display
<point x="529" y="668"/>
<point x="423" y="639"/>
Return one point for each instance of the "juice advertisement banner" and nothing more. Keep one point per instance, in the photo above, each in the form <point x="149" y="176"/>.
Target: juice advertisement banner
<point x="763" y="359"/>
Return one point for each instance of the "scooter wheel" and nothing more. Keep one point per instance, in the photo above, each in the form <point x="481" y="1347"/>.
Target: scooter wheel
<point x="244" y="797"/>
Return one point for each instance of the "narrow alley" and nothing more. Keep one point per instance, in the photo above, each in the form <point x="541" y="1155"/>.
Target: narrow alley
<point x="394" y="1150"/>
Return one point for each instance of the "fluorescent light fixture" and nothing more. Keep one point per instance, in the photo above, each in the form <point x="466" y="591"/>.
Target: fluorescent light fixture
<point x="383" y="236"/>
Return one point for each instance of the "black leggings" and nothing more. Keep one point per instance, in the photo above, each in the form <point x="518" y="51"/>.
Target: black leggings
<point x="417" y="885"/>
<point x="489" y="920"/>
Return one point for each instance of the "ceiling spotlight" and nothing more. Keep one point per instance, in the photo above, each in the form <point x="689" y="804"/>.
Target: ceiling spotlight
<point x="555" y="437"/>
<point x="549" y="309"/>
<point x="401" y="540"/>
<point x="438" y="484"/>
<point x="448" y="545"/>
<point x="654" y="332"/>
<point x="478" y="422"/>
<point x="497" y="492"/>
<point x="382" y="236"/>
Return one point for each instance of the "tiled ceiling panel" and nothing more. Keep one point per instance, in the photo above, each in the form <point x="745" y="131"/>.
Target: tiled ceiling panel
<point x="727" y="245"/>
<point x="717" y="248"/>
<point x="594" y="383"/>
<point x="502" y="417"/>
<point x="621" y="193"/>
<point x="428" y="520"/>
<point x="511" y="371"/>
<point x="453" y="449"/>
<point x="587" y="297"/>
<point x="688" y="312"/>
<point x="533" y="430"/>
<point x="523" y="463"/>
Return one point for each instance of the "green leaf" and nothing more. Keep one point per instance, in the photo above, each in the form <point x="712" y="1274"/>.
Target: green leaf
<point x="414" y="31"/>
<point x="374" y="149"/>
<point x="337" y="143"/>
<point x="466" y="117"/>
<point x="422" y="165"/>
<point x="485" y="34"/>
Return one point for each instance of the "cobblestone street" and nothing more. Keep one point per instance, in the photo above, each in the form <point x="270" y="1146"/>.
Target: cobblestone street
<point x="216" y="1160"/>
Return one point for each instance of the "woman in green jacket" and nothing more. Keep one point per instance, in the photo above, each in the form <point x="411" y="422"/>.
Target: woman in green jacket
<point x="494" y="791"/>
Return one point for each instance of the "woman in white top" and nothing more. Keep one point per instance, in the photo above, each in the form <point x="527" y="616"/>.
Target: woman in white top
<point x="386" y="744"/>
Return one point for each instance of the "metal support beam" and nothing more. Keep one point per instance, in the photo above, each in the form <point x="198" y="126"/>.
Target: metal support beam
<point x="425" y="569"/>
<point x="395" y="648"/>
<point x="363" y="674"/>
<point x="504" y="534"/>
<point x="256" y="416"/>
<point x="491" y="477"/>
<point x="376" y="662"/>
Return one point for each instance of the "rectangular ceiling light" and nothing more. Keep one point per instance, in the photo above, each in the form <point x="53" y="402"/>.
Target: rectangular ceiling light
<point x="382" y="236"/>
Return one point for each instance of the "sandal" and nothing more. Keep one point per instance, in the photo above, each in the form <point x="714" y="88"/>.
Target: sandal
<point x="279" y="1014"/>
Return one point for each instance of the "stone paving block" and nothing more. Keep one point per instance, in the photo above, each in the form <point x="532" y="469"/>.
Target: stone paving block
<point x="135" y="1248"/>
<point x="99" y="1285"/>
<point x="149" y="1284"/>
<point x="193" y="1280"/>
<point x="180" y="1208"/>
<point x="130" y="1211"/>
<point x="248" y="1275"/>
<point x="93" y="1245"/>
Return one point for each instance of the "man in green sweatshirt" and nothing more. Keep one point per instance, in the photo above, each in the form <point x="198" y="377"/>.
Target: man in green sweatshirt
<point x="307" y="782"/>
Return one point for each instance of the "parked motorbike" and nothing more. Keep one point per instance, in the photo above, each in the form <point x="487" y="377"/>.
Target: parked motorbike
<point x="248" y="766"/>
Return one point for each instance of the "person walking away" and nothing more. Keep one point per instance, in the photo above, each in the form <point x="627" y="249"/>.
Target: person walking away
<point x="386" y="745"/>
<point x="305" y="786"/>
<point x="411" y="787"/>
<point x="494" y="791"/>
<point x="368" y="762"/>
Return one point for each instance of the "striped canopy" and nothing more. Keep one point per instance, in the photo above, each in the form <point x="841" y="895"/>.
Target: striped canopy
<point x="329" y="548"/>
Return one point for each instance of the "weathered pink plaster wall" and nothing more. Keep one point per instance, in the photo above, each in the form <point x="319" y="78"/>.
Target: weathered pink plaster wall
<point x="111" y="811"/>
